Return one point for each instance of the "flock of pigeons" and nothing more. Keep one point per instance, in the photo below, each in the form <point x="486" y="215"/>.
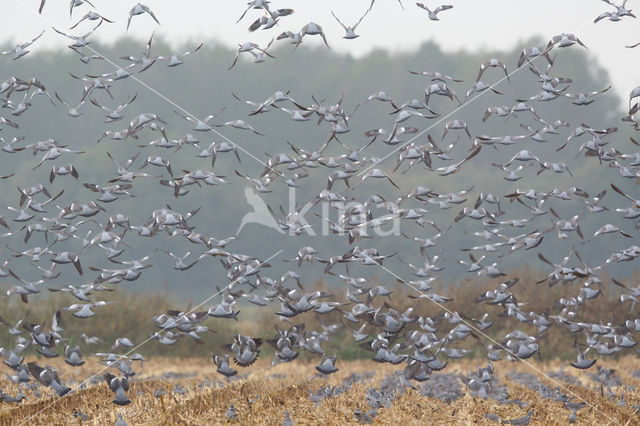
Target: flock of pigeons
<point x="405" y="338"/>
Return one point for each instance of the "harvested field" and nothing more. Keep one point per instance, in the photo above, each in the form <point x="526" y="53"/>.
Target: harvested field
<point x="189" y="391"/>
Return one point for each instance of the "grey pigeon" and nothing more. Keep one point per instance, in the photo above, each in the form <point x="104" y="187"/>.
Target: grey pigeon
<point x="327" y="364"/>
<point x="79" y="414"/>
<point x="521" y="420"/>
<point x="245" y="350"/>
<point x="582" y="363"/>
<point x="11" y="399"/>
<point x="48" y="377"/>
<point x="119" y="386"/>
<point x="231" y="413"/>
<point x="73" y="356"/>
<point x="287" y="419"/>
<point x="366" y="418"/>
<point x="222" y="362"/>
<point x="120" y="421"/>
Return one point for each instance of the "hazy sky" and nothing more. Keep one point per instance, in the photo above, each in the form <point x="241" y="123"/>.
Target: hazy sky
<point x="471" y="24"/>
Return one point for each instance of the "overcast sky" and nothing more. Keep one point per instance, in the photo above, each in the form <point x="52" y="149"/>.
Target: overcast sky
<point x="471" y="24"/>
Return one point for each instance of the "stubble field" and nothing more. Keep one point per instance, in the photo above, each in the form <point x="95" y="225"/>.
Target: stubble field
<point x="189" y="391"/>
